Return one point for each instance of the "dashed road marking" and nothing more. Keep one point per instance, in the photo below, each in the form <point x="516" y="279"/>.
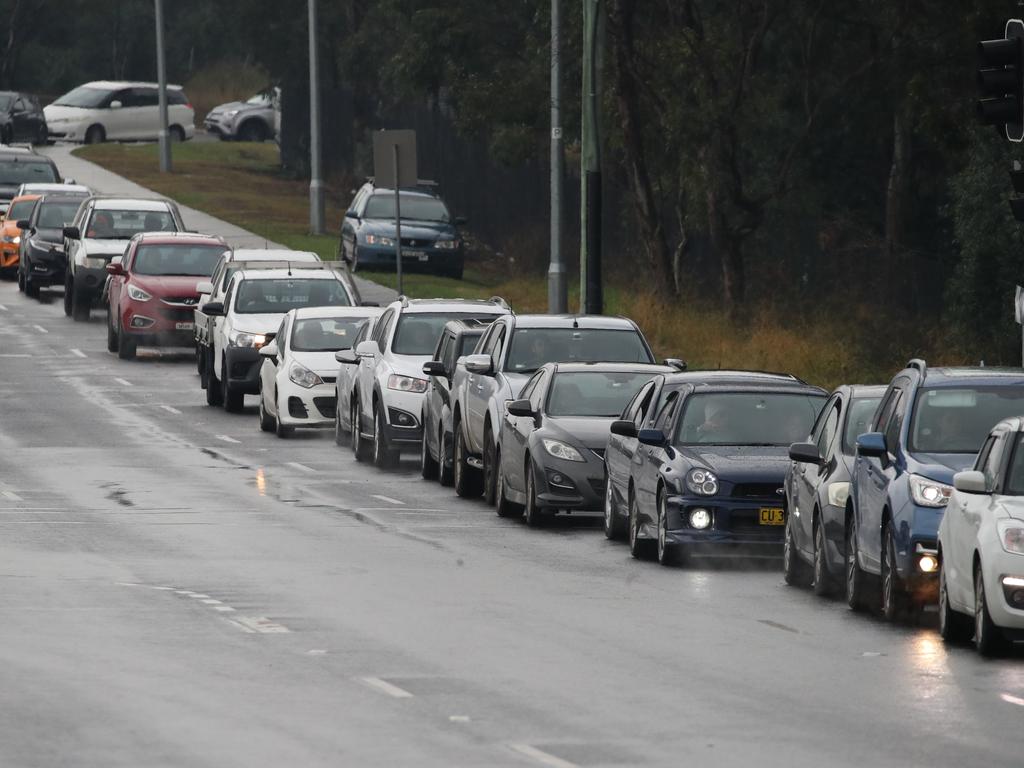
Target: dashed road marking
<point x="123" y="382"/>
<point x="171" y="409"/>
<point x="458" y="718"/>
<point x="11" y="495"/>
<point x="227" y="439"/>
<point x="541" y="756"/>
<point x="385" y="687"/>
<point x="17" y="354"/>
<point x="1010" y="699"/>
<point x="224" y="608"/>
<point x="316" y="652"/>
<point x="301" y="467"/>
<point x="78" y="353"/>
<point x="259" y="625"/>
<point x="3" y="308"/>
<point x="40" y="329"/>
<point x="388" y="499"/>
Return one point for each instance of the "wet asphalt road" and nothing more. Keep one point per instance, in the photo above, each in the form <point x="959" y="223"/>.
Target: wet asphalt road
<point x="179" y="589"/>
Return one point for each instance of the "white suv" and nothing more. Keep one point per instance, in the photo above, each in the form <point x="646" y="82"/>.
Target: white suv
<point x="390" y="385"/>
<point x="105" y="110"/>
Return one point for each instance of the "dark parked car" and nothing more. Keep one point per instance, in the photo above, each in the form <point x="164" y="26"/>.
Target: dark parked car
<point x="706" y="476"/>
<point x="19" y="166"/>
<point x="430" y="238"/>
<point x="818" y="486"/>
<point x="929" y="426"/>
<point x="21" y="118"/>
<point x="42" y="259"/>
<point x="553" y="437"/>
<point x="459" y="338"/>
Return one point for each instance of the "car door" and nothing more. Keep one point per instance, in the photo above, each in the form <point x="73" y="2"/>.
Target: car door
<point x="647" y="460"/>
<point x="117" y="121"/>
<point x="619" y="449"/>
<point x="270" y="369"/>
<point x="436" y="390"/>
<point x="142" y="114"/>
<point x="73" y="248"/>
<point x="881" y="474"/>
<point x="116" y="283"/>
<point x="22" y="124"/>
<point x="347" y="374"/>
<point x="807" y="478"/>
<point x="368" y="366"/>
<point x="958" y="535"/>
<point x="349" y="226"/>
<point x="515" y="432"/>
<point x="222" y="327"/>
<point x="478" y="389"/>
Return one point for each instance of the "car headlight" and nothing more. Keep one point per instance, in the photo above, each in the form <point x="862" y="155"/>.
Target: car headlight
<point x="231" y="113"/>
<point x="301" y="375"/>
<point x="561" y="450"/>
<point x="929" y="493"/>
<point x="134" y="292"/>
<point x="94" y="262"/>
<point x="379" y="240"/>
<point x="44" y="245"/>
<point x="406" y="383"/>
<point x="1011" y="536"/>
<point x="702" y="482"/>
<point x="15" y="239"/>
<point x="838" y="493"/>
<point x="447" y="245"/>
<point x="245" y="339"/>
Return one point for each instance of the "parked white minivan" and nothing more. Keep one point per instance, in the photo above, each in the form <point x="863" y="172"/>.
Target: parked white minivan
<point x="117" y="111"/>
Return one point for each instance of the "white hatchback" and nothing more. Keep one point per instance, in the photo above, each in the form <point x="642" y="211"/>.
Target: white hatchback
<point x="115" y="111"/>
<point x="297" y="379"/>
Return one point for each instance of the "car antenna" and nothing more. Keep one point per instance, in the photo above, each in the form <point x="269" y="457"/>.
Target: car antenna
<point x="289" y="269"/>
<point x="575" y="322"/>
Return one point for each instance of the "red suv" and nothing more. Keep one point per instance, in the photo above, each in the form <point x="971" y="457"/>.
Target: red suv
<point x="152" y="289"/>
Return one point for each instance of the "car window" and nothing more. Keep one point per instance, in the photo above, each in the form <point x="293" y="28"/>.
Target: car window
<point x="858" y="420"/>
<point x="994" y="460"/>
<point x="892" y="428"/>
<point x="593" y="393"/>
<point x="747" y="418"/>
<point x="19" y="105"/>
<point x="414" y="207"/>
<point x="176" y="96"/>
<point x="417" y="332"/>
<point x="486" y="344"/>
<point x="230" y="293"/>
<point x="537" y="396"/>
<point x="21" y="210"/>
<point x="883" y="413"/>
<point x="957" y="419"/>
<point x="85" y="97"/>
<point x="532" y="347"/>
<point x="827" y="429"/>
<point x="466" y="344"/>
<point x="1014" y="485"/>
<point x="633" y="407"/>
<point x="668" y="408"/>
<point x="383" y="327"/>
<point x="272" y="296"/>
<point x="14" y="172"/>
<point x="54" y="215"/>
<point x="324" y="334"/>
<point x="499" y="338"/>
<point x="176" y="259"/>
<point x="110" y="224"/>
<point x="979" y="462"/>
<point x="528" y="389"/>
<point x="142" y="97"/>
<point x="444" y="347"/>
<point x="282" y="336"/>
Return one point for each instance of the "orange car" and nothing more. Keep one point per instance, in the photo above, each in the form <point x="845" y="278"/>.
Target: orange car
<point x="10" y="235"/>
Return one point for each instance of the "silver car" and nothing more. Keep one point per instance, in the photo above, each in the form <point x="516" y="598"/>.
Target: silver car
<point x="255" y="119"/>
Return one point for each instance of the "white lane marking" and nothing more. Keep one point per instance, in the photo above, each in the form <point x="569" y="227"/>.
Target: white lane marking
<point x="385" y="687"/>
<point x="199" y="596"/>
<point x="541" y="756"/>
<point x="171" y="409"/>
<point x="40" y="329"/>
<point x="1012" y="699"/>
<point x="123" y="382"/>
<point x="224" y="608"/>
<point x="388" y="499"/>
<point x="11" y="495"/>
<point x="210" y="600"/>
<point x="3" y="308"/>
<point x="186" y="592"/>
<point x="227" y="439"/>
<point x="458" y="718"/>
<point x="78" y="353"/>
<point x="16" y="355"/>
<point x="316" y="652"/>
<point x="301" y="467"/>
<point x="259" y="625"/>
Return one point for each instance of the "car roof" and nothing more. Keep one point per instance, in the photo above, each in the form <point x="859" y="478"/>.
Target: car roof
<point x="24" y="155"/>
<point x="652" y="368"/>
<point x="765" y="385"/>
<point x="114" y="84"/>
<point x="864" y="390"/>
<point x="316" y="312"/>
<point x="572" y="321"/>
<point x="59" y="197"/>
<point x="272" y="254"/>
<point x="731" y="377"/>
<point x="1014" y="423"/>
<point x="26" y="196"/>
<point x="484" y="306"/>
<point x="285" y="274"/>
<point x="177" y="237"/>
<point x="130" y="204"/>
<point x="48" y="186"/>
<point x="972" y="375"/>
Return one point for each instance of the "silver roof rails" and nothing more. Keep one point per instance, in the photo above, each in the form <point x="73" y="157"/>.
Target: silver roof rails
<point x="919" y="364"/>
<point x="500" y="302"/>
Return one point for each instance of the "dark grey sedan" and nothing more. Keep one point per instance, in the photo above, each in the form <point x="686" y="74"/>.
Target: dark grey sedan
<point x="552" y="440"/>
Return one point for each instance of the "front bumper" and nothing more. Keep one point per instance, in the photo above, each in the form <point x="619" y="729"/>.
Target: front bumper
<point x="157" y="323"/>
<point x="414" y="259"/>
<point x="45" y="267"/>
<point x="576" y="485"/>
<point x="313" y="407"/>
<point x="735" y="526"/>
<point x="242" y="369"/>
<point x="90" y="280"/>
<point x="995" y="566"/>
<point x="8" y="256"/>
<point x="402" y="424"/>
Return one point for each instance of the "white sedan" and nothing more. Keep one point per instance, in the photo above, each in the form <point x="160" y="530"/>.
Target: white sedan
<point x="297" y="378"/>
<point x="981" y="546"/>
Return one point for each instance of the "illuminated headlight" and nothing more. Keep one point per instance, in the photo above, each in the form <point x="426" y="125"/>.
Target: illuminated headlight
<point x="702" y="482"/>
<point x="301" y="375"/>
<point x="928" y="564"/>
<point x="700" y="518"/>
<point x="561" y="450"/>
<point x="231" y="113"/>
<point x="379" y="240"/>
<point x="1011" y="536"/>
<point x="447" y="245"/>
<point x="243" y="339"/>
<point x="929" y="493"/>
<point x="138" y="294"/>
<point x="16" y="239"/>
<point x="838" y="493"/>
<point x="407" y="383"/>
<point x="94" y="262"/>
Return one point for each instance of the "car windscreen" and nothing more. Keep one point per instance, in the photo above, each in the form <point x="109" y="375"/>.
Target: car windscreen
<point x="858" y="420"/>
<point x="84" y="97"/>
<point x="6" y="100"/>
<point x="56" y="215"/>
<point x="532" y="347"/>
<point x="177" y="259"/>
<point x="957" y="419"/>
<point x="593" y="393"/>
<point x="747" y="418"/>
<point x="419" y="332"/>
<point x="467" y="343"/>
<point x="107" y="224"/>
<point x="21" y="210"/>
<point x="278" y="295"/>
<point x="24" y="172"/>
<point x="415" y="207"/>
<point x="1014" y="485"/>
<point x="260" y="99"/>
<point x="325" y="334"/>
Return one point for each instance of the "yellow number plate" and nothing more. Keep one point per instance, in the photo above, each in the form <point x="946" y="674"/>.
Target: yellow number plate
<point x="772" y="516"/>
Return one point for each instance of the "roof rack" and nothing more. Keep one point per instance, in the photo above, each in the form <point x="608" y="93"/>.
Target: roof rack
<point x="403" y="300"/>
<point x="919" y="364"/>
<point x="500" y="302"/>
<point x="419" y="183"/>
<point x="286" y="264"/>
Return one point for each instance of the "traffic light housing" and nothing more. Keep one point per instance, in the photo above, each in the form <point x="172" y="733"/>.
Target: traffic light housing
<point x="1001" y="81"/>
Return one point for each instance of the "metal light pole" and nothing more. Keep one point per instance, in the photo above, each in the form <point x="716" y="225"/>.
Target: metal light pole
<point x="557" y="293"/>
<point x="316" y="184"/>
<point x="591" y="293"/>
<point x="161" y="76"/>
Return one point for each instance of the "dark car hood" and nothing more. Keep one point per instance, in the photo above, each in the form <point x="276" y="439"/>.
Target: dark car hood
<point x="589" y="431"/>
<point x="426" y="230"/>
<point x="49" y="235"/>
<point x="741" y="463"/>
<point x="172" y="286"/>
<point x="942" y="466"/>
<point x="7" y="191"/>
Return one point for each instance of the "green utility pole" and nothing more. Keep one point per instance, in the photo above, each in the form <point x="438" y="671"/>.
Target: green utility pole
<point x="591" y="292"/>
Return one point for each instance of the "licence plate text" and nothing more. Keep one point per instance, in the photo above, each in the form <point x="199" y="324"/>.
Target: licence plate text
<point x="771" y="516"/>
<point x="184" y="326"/>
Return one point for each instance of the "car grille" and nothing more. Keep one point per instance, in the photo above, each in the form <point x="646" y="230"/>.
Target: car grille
<point x="328" y="379"/>
<point x="178" y="314"/>
<point x="409" y="242"/>
<point x="181" y="301"/>
<point x="326" y="405"/>
<point x="747" y="521"/>
<point x="756" y="491"/>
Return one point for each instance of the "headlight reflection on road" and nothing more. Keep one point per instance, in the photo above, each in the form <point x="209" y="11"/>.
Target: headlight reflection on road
<point x="261" y="482"/>
<point x="930" y="663"/>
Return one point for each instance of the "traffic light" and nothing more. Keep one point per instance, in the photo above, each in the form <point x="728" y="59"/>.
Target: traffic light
<point x="1001" y="81"/>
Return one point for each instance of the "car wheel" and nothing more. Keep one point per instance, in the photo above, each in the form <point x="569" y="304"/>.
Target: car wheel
<point x="42" y="136"/>
<point x="533" y="512"/>
<point x="667" y="553"/>
<point x="21" y="281"/>
<point x="444" y="464"/>
<point x="467" y="479"/>
<point x="95" y="135"/>
<point x="954" y="627"/>
<point x="282" y="431"/>
<point x="824" y="584"/>
<point x="213" y="391"/>
<point x="81" y="304"/>
<point x="502" y="505"/>
<point x="384" y="455"/>
<point x="176" y="134"/>
<point x="794" y="570"/>
<point x="856" y="578"/>
<point x="266" y="420"/>
<point x="360" y="448"/>
<point x="111" y="333"/>
<point x="428" y="464"/>
<point x="613" y="524"/>
<point x="68" y="290"/>
<point x="490" y="480"/>
<point x="252" y="130"/>
<point x="339" y="433"/>
<point x="894" y="599"/>
<point x="988" y="639"/>
<point x="230" y="397"/>
<point x="31" y="289"/>
<point x="638" y="547"/>
<point x="126" y="347"/>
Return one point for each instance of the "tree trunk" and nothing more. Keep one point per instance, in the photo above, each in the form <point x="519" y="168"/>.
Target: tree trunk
<point x="726" y="248"/>
<point x="895" y="196"/>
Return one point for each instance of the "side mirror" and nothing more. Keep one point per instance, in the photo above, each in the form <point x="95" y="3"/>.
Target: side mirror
<point x="367" y="348"/>
<point x="115" y="104"/>
<point x="872" y="445"/>
<point x="346" y="357"/>
<point x="72" y="233"/>
<point x="970" y="481"/>
<point x="204" y="287"/>
<point x="653" y="437"/>
<point x="434" y="368"/>
<point x="460" y="221"/>
<point x="623" y="428"/>
<point x="521" y="408"/>
<point x="675" y="362"/>
<point x="351" y="215"/>
<point x="269" y="350"/>
<point x="24" y="224"/>
<point x="115" y="267"/>
<point x="481" y="364"/>
<point x="806" y="453"/>
<point x="214" y="309"/>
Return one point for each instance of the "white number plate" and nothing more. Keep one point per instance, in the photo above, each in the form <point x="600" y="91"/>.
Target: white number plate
<point x="185" y="326"/>
<point x="416" y="255"/>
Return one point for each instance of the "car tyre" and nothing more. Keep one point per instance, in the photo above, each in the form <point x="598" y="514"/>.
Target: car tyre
<point x="384" y="456"/>
<point x="21" y="281"/>
<point x="80" y="305"/>
<point x="176" y="134"/>
<point x="954" y="627"/>
<point x="533" y="512"/>
<point x="502" y="505"/>
<point x="267" y="422"/>
<point x="856" y="578"/>
<point x="428" y="464"/>
<point x="360" y="447"/>
<point x="445" y="465"/>
<point x="638" y="547"/>
<point x="213" y="390"/>
<point x="68" y="288"/>
<point x="31" y="288"/>
<point x="490" y="480"/>
<point x="894" y="599"/>
<point x="252" y="130"/>
<point x="667" y="553"/>
<point x="824" y="584"/>
<point x="231" y="398"/>
<point x="614" y="526"/>
<point x="988" y="639"/>
<point x="339" y="432"/>
<point x="467" y="479"/>
<point x="126" y="347"/>
<point x="112" y="340"/>
<point x="95" y="135"/>
<point x="794" y="570"/>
